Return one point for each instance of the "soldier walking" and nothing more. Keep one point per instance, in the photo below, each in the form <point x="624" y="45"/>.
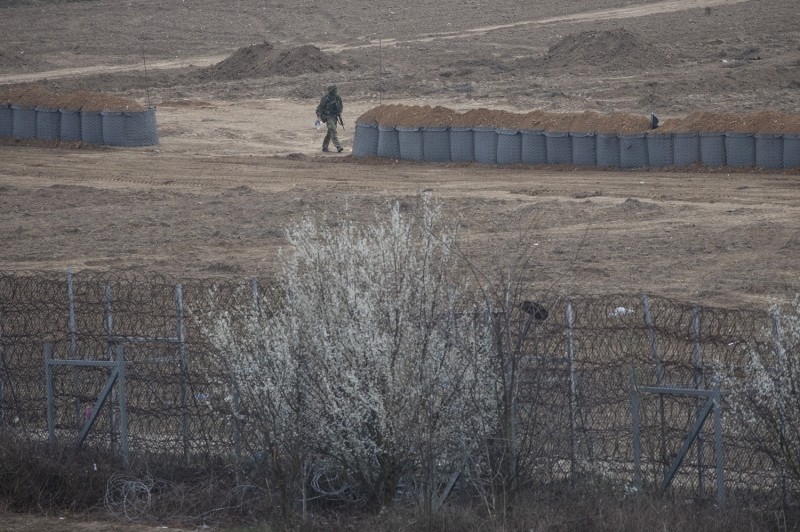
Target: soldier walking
<point x="329" y="111"/>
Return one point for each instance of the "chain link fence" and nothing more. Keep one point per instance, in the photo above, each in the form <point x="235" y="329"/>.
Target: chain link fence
<point x="119" y="362"/>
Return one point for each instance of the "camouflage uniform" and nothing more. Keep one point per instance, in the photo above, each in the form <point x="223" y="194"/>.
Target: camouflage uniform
<point x="329" y="110"/>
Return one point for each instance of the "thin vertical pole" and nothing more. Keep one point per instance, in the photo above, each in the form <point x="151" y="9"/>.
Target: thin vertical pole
<point x="184" y="370"/>
<point x="48" y="375"/>
<point x="721" y="496"/>
<point x="697" y="381"/>
<point x="122" y="394"/>
<point x="651" y="334"/>
<point x="380" y="71"/>
<point x="635" y="433"/>
<point x="3" y="371"/>
<point x="108" y="320"/>
<point x="73" y="346"/>
<point x="573" y="392"/>
<point x="780" y="362"/>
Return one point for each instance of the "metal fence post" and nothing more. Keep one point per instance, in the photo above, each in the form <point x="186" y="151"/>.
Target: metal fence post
<point x="48" y="376"/>
<point x="718" y="447"/>
<point x="108" y="323"/>
<point x="183" y="369"/>
<point x="122" y="394"/>
<point x="573" y="392"/>
<point x="777" y="342"/>
<point x="651" y="334"/>
<point x="73" y="345"/>
<point x="697" y="381"/>
<point x="636" y="436"/>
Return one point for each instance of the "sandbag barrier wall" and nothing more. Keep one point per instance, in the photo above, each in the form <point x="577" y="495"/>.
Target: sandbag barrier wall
<point x="112" y="128"/>
<point x="489" y="145"/>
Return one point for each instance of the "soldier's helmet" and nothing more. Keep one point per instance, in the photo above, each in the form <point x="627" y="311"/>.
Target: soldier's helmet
<point x="332" y="89"/>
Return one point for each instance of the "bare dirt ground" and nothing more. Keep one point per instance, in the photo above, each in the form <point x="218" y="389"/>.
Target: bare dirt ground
<point x="239" y="160"/>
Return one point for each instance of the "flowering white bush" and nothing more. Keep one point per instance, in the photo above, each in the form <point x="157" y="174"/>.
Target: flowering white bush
<point x="375" y="363"/>
<point x="766" y="395"/>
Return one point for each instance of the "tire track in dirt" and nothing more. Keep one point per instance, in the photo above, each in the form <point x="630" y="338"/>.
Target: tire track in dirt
<point x="635" y="11"/>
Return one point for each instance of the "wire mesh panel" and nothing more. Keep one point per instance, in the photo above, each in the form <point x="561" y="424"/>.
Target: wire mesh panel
<point x="584" y="148"/>
<point x="687" y="148"/>
<point x="365" y="143"/>
<point x="633" y="151"/>
<point x="141" y="128"/>
<point x="485" y="145"/>
<point x="608" y="149"/>
<point x="712" y="149"/>
<point x="769" y="150"/>
<point x="48" y="123"/>
<point x="70" y="125"/>
<point x="436" y="143"/>
<point x="388" y="142"/>
<point x="559" y="147"/>
<point x="91" y="127"/>
<point x="6" y="120"/>
<point x="509" y="146"/>
<point x="411" y="145"/>
<point x="534" y="147"/>
<point x="660" y="149"/>
<point x="462" y="144"/>
<point x="740" y="149"/>
<point x="791" y="150"/>
<point x="24" y="122"/>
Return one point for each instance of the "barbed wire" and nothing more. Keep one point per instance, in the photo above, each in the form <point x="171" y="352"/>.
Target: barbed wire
<point x="574" y="396"/>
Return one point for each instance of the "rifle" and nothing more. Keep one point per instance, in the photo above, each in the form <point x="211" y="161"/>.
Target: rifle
<point x="340" y="120"/>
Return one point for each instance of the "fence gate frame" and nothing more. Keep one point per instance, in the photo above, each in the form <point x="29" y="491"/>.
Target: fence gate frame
<point x="116" y="376"/>
<point x="713" y="402"/>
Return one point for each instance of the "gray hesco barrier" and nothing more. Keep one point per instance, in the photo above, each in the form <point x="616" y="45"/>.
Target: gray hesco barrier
<point x="584" y="148"/>
<point x="70" y="125"/>
<point x="509" y="146"/>
<point x="141" y="128"/>
<point x="436" y="143"/>
<point x="410" y="143"/>
<point x="659" y="149"/>
<point x="485" y="145"/>
<point x="534" y="147"/>
<point x="712" y="149"/>
<point x="633" y="150"/>
<point x="91" y="127"/>
<point x="462" y="144"/>
<point x="607" y="149"/>
<point x="48" y="123"/>
<point x="365" y="143"/>
<point x="559" y="147"/>
<point x="24" y="122"/>
<point x="740" y="149"/>
<point x="388" y="142"/>
<point x="687" y="148"/>
<point x="769" y="150"/>
<point x="791" y="150"/>
<point x="113" y="129"/>
<point x="6" y="121"/>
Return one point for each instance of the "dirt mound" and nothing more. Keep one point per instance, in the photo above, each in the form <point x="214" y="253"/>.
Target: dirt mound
<point x="409" y="115"/>
<point x="35" y="95"/>
<point x="617" y="49"/>
<point x="760" y="122"/>
<point x="267" y="59"/>
<point x="586" y="121"/>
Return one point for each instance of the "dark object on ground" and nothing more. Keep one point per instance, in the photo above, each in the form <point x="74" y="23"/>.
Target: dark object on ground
<point x="536" y="310"/>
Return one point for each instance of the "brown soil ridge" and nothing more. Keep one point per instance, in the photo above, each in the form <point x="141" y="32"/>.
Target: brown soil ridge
<point x="268" y="59"/>
<point x="616" y="49"/>
<point x="37" y="96"/>
<point x="586" y="121"/>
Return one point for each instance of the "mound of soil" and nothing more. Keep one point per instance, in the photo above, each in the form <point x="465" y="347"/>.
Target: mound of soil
<point x="409" y="115"/>
<point x="267" y="59"/>
<point x="618" y="49"/>
<point x="760" y="122"/>
<point x="587" y="121"/>
<point x="35" y="95"/>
